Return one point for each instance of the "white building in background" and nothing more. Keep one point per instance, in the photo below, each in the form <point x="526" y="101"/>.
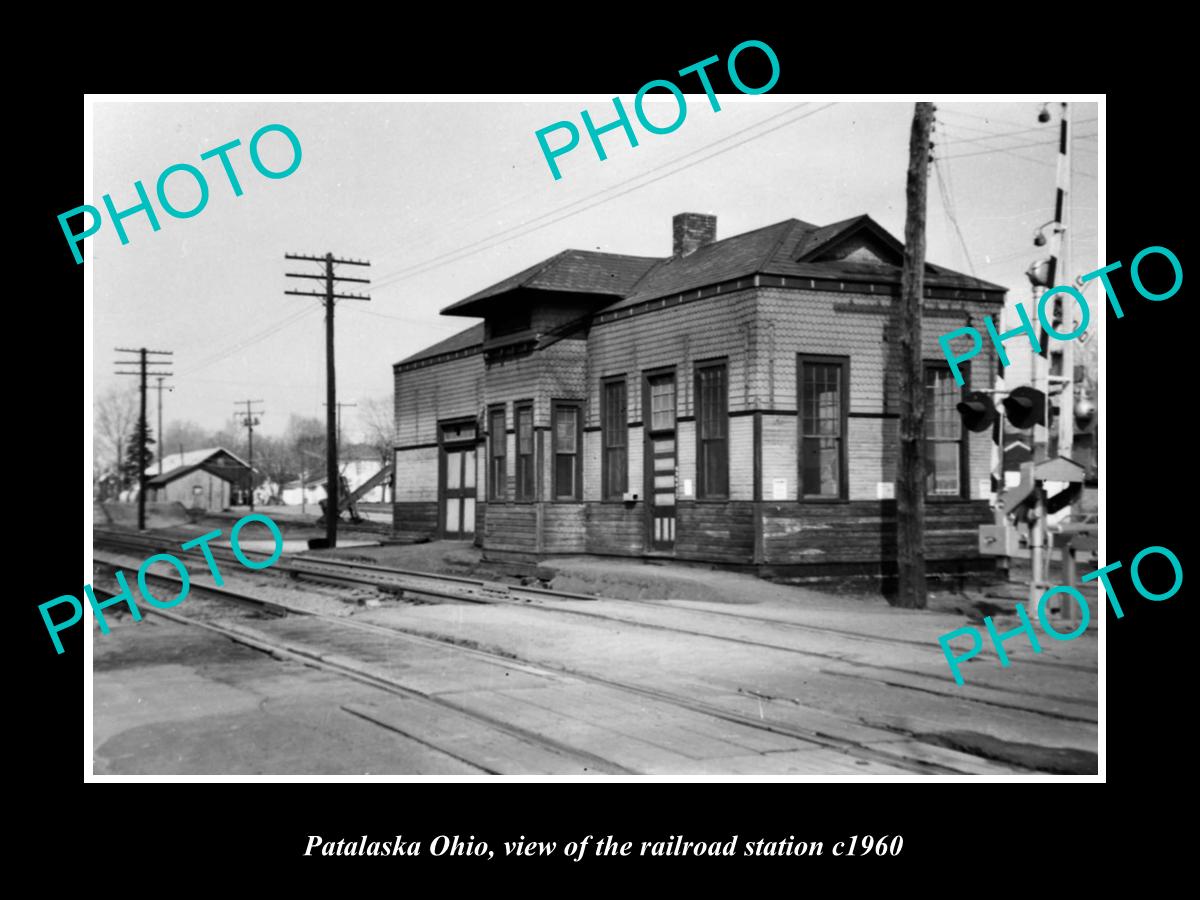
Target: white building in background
<point x="359" y="463"/>
<point x="307" y="492"/>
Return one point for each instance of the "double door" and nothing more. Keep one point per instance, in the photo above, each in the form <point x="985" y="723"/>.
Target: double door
<point x="458" y="492"/>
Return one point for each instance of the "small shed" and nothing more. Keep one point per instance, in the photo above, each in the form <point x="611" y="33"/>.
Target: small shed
<point x="198" y="478"/>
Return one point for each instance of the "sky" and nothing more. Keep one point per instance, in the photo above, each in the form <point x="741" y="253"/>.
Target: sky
<point x="447" y="198"/>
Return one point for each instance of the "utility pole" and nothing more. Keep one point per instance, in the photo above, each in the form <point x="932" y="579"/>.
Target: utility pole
<point x="330" y="297"/>
<point x="339" y="420"/>
<point x="161" y="445"/>
<point x="910" y="484"/>
<point x="249" y="421"/>
<point x="142" y="371"/>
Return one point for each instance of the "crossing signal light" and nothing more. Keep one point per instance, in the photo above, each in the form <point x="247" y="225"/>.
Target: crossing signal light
<point x="977" y="410"/>
<point x="1085" y="415"/>
<point x="1025" y="407"/>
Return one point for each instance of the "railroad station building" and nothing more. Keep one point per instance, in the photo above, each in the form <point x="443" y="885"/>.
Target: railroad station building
<point x="736" y="403"/>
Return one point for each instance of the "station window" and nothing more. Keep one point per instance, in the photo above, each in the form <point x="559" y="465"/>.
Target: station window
<point x="824" y="402"/>
<point x="945" y="447"/>
<point x="662" y="402"/>
<point x="566" y="427"/>
<point x="712" y="432"/>
<point x="497" y="471"/>
<point x="615" y="434"/>
<point x="526" y="484"/>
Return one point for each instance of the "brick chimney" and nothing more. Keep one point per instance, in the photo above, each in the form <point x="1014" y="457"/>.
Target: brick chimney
<point x="691" y="231"/>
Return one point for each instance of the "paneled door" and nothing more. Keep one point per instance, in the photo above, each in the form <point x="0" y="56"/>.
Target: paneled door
<point x="456" y="491"/>
<point x="659" y="420"/>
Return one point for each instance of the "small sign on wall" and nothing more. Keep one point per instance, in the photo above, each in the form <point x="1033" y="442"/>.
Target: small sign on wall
<point x="779" y="489"/>
<point x="687" y="487"/>
<point x="885" y="490"/>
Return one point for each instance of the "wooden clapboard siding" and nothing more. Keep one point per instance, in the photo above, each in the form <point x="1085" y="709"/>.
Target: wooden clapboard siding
<point x="564" y="528"/>
<point x="741" y="458"/>
<point x="511" y="526"/>
<point x="591" y="466"/>
<point x="864" y="531"/>
<point x="677" y="336"/>
<point x="417" y="475"/>
<point x="874" y="454"/>
<point x="616" y="528"/>
<point x="722" y="532"/>
<point x="425" y="396"/>
<point x="685" y="460"/>
<point x="781" y="454"/>
<point x="415" y="520"/>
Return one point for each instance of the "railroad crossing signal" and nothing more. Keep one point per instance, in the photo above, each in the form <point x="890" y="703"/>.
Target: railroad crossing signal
<point x="978" y="411"/>
<point x="1025" y="407"/>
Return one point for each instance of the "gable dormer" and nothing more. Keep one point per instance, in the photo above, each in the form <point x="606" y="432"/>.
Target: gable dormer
<point x="859" y="240"/>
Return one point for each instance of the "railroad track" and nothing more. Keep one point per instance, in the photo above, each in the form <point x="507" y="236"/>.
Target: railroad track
<point x="340" y="665"/>
<point x="470" y="590"/>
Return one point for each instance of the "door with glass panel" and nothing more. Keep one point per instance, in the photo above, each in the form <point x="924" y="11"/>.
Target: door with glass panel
<point x="458" y="482"/>
<point x="659" y="421"/>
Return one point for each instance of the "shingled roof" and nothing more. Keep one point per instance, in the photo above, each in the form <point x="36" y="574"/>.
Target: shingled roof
<point x="790" y="247"/>
<point x="854" y="250"/>
<point x="573" y="271"/>
<point x="463" y="340"/>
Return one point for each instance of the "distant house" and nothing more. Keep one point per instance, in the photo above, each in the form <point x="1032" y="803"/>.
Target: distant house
<point x="197" y="478"/>
<point x="296" y="493"/>
<point x="358" y="463"/>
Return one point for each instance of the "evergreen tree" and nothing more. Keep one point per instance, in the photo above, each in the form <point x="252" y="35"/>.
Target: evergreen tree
<point x="139" y="437"/>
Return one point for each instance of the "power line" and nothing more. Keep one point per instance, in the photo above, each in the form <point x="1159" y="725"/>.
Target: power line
<point x="948" y="206"/>
<point x="958" y="112"/>
<point x="1039" y="162"/>
<point x="1014" y="147"/>
<point x="473" y="248"/>
<point x="407" y="319"/>
<point x="269" y="331"/>
<point x="387" y="276"/>
<point x="999" y="134"/>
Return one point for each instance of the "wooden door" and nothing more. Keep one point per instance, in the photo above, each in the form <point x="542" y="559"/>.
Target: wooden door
<point x="659" y="419"/>
<point x="458" y="492"/>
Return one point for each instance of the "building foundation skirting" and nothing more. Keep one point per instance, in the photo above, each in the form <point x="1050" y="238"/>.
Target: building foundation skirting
<point x="776" y="539"/>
